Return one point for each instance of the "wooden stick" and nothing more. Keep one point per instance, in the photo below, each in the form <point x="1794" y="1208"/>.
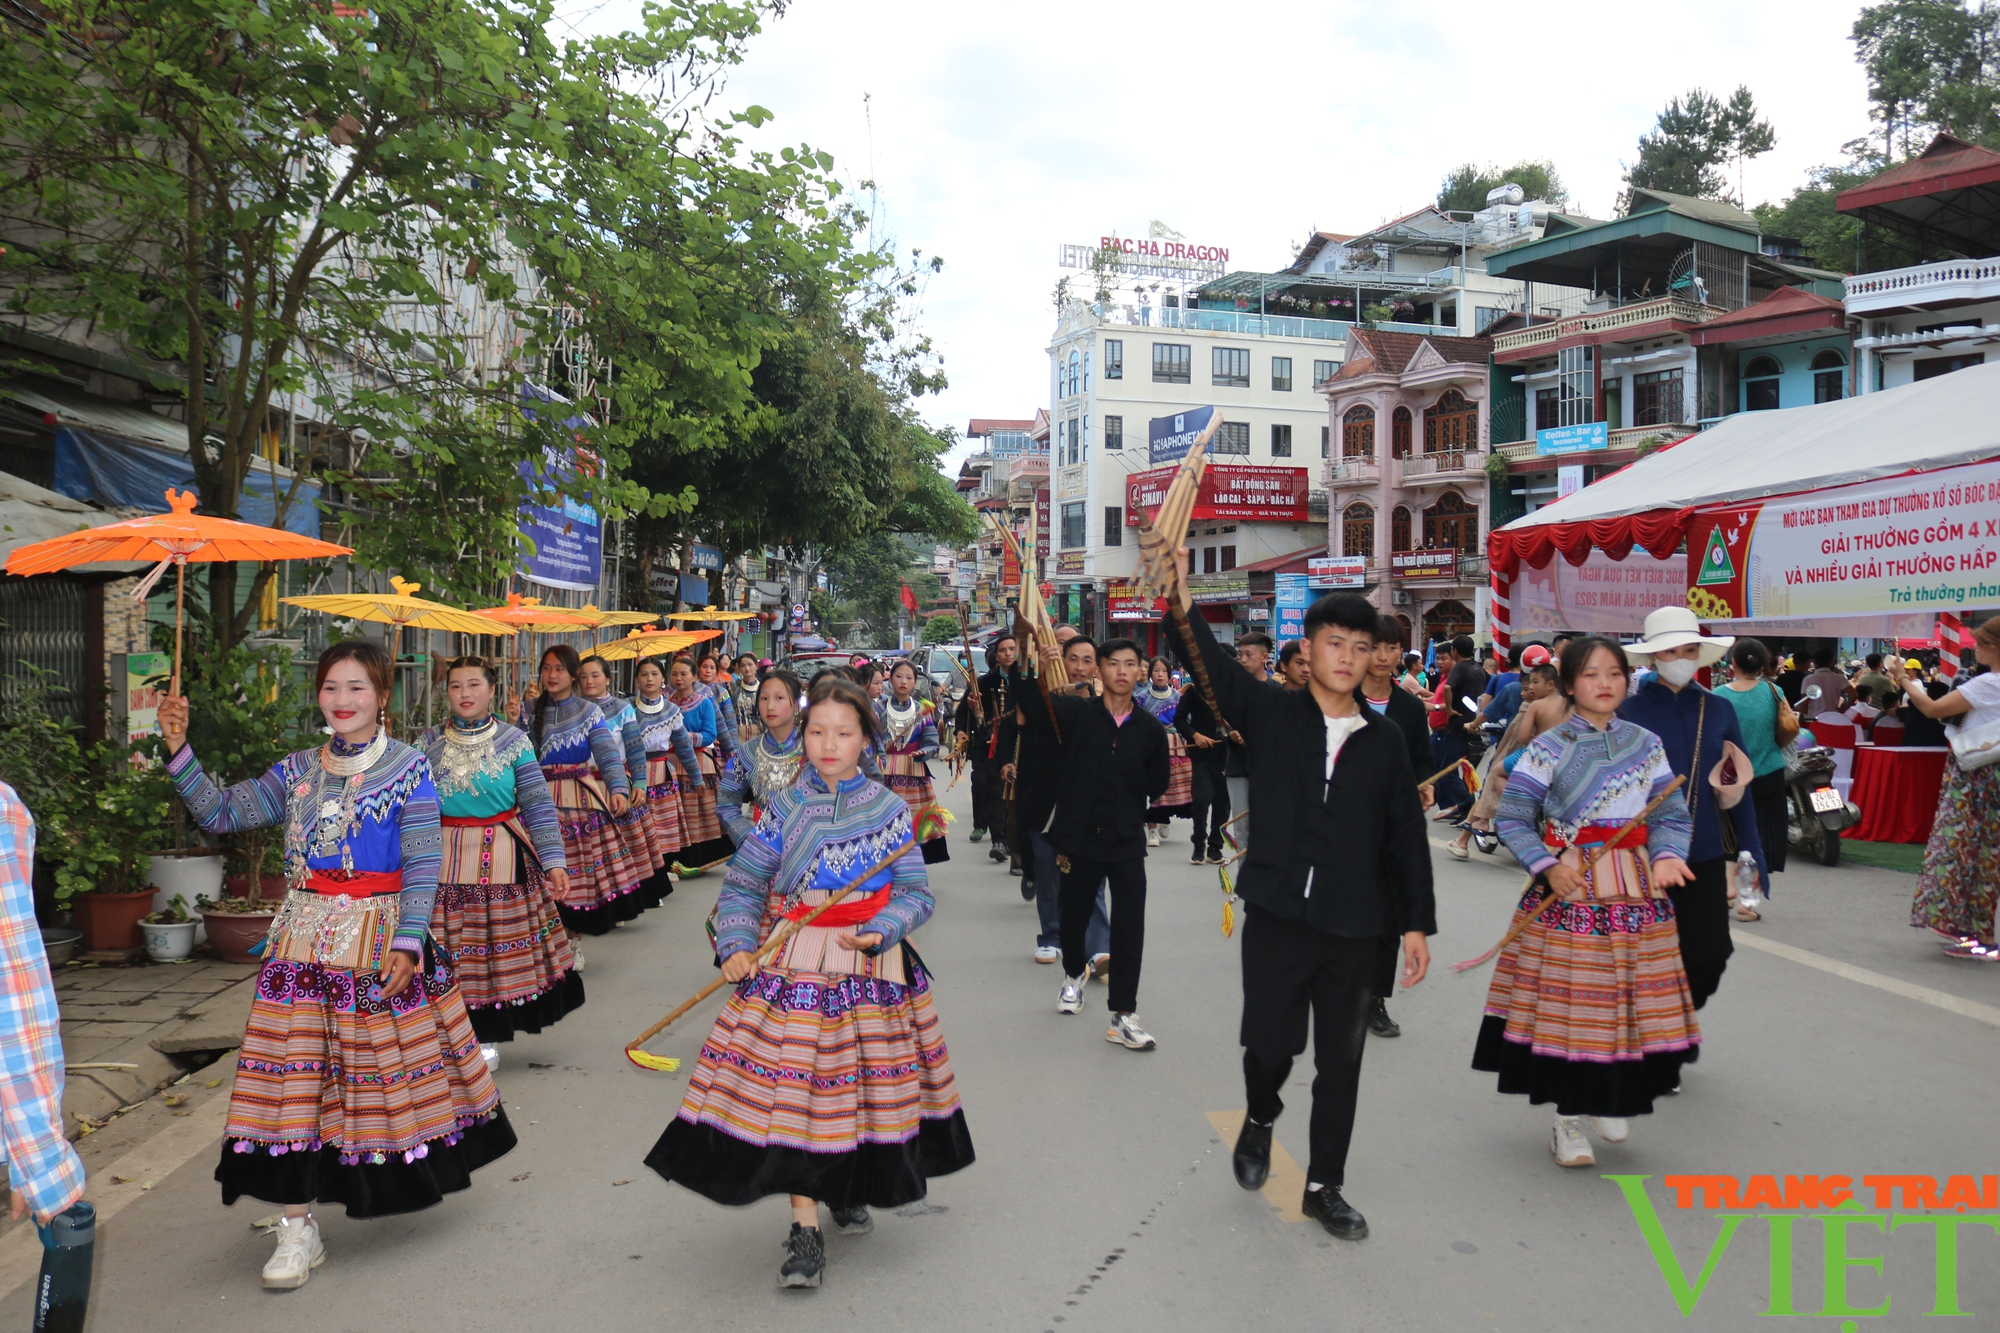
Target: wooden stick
<point x="1199" y="667"/>
<point x="180" y="590"/>
<point x="1589" y="864"/>
<point x="784" y="931"/>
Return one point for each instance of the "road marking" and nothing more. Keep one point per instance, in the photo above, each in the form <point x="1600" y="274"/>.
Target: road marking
<point x="148" y="1164"/>
<point x="1984" y="1013"/>
<point x="1285" y="1188"/>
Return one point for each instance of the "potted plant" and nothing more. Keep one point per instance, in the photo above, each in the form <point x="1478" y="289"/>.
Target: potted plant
<point x="169" y="933"/>
<point x="261" y="850"/>
<point x="236" y="926"/>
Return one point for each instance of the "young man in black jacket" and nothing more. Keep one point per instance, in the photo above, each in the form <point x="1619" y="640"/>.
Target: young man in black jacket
<point x="979" y="731"/>
<point x="1113" y="766"/>
<point x="1340" y="864"/>
<point x="1381" y="693"/>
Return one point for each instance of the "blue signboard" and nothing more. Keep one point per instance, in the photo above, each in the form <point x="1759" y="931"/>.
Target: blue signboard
<point x="1573" y="439"/>
<point x="707" y="557"/>
<point x="567" y="540"/>
<point x="694" y="591"/>
<point x="1288" y="609"/>
<point x="1168" y="438"/>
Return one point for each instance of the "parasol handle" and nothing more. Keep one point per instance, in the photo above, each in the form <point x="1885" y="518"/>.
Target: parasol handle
<point x="180" y="595"/>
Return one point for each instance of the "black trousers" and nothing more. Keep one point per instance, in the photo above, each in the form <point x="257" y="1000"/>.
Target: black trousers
<point x="986" y="812"/>
<point x="1770" y="797"/>
<point x="1290" y="970"/>
<point x="1385" y="966"/>
<point x="1078" y="894"/>
<point x="1210" y="795"/>
<point x="1701" y="913"/>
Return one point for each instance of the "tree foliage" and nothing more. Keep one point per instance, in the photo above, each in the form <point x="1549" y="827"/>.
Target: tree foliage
<point x="942" y="628"/>
<point x="1931" y="66"/>
<point x="1695" y="136"/>
<point x="1464" y="189"/>
<point x="1834" y="240"/>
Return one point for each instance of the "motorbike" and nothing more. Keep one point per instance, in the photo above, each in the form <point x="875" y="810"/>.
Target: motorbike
<point x="1817" y="815"/>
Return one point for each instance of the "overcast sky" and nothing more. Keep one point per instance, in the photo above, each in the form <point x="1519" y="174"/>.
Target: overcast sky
<point x="1000" y="131"/>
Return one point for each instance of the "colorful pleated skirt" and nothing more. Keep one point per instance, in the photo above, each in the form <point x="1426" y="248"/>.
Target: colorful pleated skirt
<point x="910" y="778"/>
<point x="703" y="842"/>
<point x="604" y="870"/>
<point x="1589" y="1006"/>
<point x="343" y="1097"/>
<point x="826" y="1076"/>
<point x="663" y="799"/>
<point x="1961" y="869"/>
<point x="1178" y="799"/>
<point x="496" y="919"/>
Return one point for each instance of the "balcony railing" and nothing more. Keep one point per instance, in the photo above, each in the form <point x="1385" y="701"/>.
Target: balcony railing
<point x="1353" y="472"/>
<point x="1625" y="437"/>
<point x="1924" y="284"/>
<point x="1250" y="323"/>
<point x="1626" y="316"/>
<point x="1456" y="465"/>
<point x="1472" y="569"/>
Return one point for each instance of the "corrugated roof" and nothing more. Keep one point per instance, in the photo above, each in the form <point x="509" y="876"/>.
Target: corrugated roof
<point x="987" y="425"/>
<point x="1713" y="211"/>
<point x="1783" y="302"/>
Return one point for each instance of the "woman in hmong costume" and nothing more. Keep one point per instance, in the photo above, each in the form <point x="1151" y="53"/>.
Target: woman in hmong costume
<point x="635" y="826"/>
<point x="825" y="1077"/>
<point x="701" y="832"/>
<point x="663" y="734"/>
<point x="717" y="687"/>
<point x="766" y="764"/>
<point x="743" y="695"/>
<point x="909" y="737"/>
<point x="1159" y="697"/>
<point x="584" y="762"/>
<point x="503" y="867"/>
<point x="359" y="1080"/>
<point x="1589" y="1006"/>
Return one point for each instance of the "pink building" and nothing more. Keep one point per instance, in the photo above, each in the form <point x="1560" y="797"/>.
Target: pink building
<point x="1406" y="480"/>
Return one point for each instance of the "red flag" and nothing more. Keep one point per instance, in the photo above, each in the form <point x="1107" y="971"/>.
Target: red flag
<point x="909" y="600"/>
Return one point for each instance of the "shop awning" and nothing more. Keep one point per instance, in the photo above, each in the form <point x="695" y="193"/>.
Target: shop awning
<point x="123" y="457"/>
<point x="1936" y="423"/>
<point x="29" y="514"/>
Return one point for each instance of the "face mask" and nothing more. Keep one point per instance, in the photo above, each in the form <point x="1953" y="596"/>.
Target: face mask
<point x="1678" y="672"/>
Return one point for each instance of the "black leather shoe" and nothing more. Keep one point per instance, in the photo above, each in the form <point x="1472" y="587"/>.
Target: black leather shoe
<point x="1380" y="1023"/>
<point x="1252" y="1160"/>
<point x="1342" y="1220"/>
<point x="1027" y="889"/>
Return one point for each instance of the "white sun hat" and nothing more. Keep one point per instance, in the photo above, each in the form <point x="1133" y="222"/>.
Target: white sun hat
<point x="1675" y="627"/>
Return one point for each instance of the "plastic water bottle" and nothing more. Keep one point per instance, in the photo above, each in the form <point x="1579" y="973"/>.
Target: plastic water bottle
<point x="1748" y="884"/>
<point x="62" y="1293"/>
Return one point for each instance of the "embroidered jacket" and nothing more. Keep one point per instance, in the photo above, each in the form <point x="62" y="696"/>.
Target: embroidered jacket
<point x="663" y="730"/>
<point x="725" y="716"/>
<point x="624" y="724"/>
<point x="573" y="733"/>
<point x="700" y="715"/>
<point x="494" y="773"/>
<point x="759" y="770"/>
<point x="1161" y="704"/>
<point x="811" y="837"/>
<point x="912" y="732"/>
<point x="385" y="819"/>
<point x="1574" y="775"/>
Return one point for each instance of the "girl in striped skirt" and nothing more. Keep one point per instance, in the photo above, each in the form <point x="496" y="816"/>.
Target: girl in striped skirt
<point x="503" y="868"/>
<point x="635" y="826"/>
<point x="910" y="738"/>
<point x="702" y="831"/>
<point x="665" y="743"/>
<point x="1589" y="1006"/>
<point x="359" y="1080"/>
<point x="825" y="1077"/>
<point x="584" y="762"/>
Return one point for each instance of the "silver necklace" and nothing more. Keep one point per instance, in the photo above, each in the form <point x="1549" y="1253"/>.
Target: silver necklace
<point x="349" y="765"/>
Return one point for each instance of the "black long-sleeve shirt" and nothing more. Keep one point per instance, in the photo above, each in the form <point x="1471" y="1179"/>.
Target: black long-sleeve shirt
<point x="1106" y="772"/>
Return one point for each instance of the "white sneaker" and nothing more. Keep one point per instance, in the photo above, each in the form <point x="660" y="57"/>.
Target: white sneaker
<point x="1070" y="999"/>
<point x="1100" y="968"/>
<point x="1610" y="1128"/>
<point x="1047" y="953"/>
<point x="1152" y="835"/>
<point x="1125" y="1031"/>
<point x="298" y="1253"/>
<point x="491" y="1055"/>
<point x="575" y="956"/>
<point x="1568" y="1143"/>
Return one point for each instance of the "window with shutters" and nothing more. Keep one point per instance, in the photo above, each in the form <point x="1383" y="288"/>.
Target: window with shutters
<point x="1232" y="437"/>
<point x="1281" y="441"/>
<point x="1231" y="367"/>
<point x="1451" y="424"/>
<point x="1399" y="529"/>
<point x="1399" y="433"/>
<point x="1173" y="363"/>
<point x="1281" y="374"/>
<point x="1322" y="372"/>
<point x="1114" y="359"/>
<point x="1357" y="530"/>
<point x="1357" y="433"/>
<point x="1114" y="432"/>
<point x="1452" y="524"/>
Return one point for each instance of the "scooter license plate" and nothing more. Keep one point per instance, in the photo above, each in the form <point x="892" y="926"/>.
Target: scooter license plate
<point x="1825" y="800"/>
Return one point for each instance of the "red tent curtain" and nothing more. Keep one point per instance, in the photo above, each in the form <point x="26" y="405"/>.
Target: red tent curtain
<point x="1658" y="532"/>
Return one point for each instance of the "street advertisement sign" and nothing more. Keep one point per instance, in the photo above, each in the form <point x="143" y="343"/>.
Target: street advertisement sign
<point x="1423" y="564"/>
<point x="1925" y="542"/>
<point x="1293" y="595"/>
<point x="1337" y="571"/>
<point x="1125" y="603"/>
<point x="1069" y="563"/>
<point x="1569" y="479"/>
<point x="1168" y="438"/>
<point x="705" y="557"/>
<point x="1227" y="491"/>
<point x="1573" y="439"/>
<point x="140" y="701"/>
<point x="1600" y="596"/>
<point x="567" y="538"/>
<point x="1041" y="526"/>
<point x="1207" y="588"/>
<point x="967" y="574"/>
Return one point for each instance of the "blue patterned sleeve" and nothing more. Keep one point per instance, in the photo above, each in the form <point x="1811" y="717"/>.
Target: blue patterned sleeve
<point x="910" y="901"/>
<point x="1670" y="831"/>
<point x="634" y="737"/>
<point x="258" y="803"/>
<point x="725" y="728"/>
<point x="423" y="855"/>
<point x="608" y="751"/>
<point x="925" y="741"/>
<point x="700" y="719"/>
<point x="684" y="752"/>
<point x="746" y="886"/>
<point x="538" y="808"/>
<point x="1521" y="806"/>
<point x="731" y="793"/>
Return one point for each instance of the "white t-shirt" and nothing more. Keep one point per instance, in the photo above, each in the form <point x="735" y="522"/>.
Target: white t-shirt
<point x="1983" y="693"/>
<point x="1338" y="729"/>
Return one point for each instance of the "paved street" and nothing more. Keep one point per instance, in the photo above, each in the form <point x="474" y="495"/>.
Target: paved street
<point x="1102" y="1199"/>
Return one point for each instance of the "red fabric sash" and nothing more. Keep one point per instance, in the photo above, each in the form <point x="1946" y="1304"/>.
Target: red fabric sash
<point x="1591" y="834"/>
<point x="355" y="883"/>
<point x="847" y="912"/>
<point x="478" y="821"/>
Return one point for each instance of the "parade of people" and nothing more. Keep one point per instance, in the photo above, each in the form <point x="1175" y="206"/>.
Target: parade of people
<point x="1378" y="742"/>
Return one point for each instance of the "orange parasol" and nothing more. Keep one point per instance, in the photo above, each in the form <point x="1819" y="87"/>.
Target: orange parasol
<point x="529" y="614"/>
<point x="173" y="538"/>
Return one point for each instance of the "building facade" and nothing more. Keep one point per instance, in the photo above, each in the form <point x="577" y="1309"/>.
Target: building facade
<point x="1410" y="417"/>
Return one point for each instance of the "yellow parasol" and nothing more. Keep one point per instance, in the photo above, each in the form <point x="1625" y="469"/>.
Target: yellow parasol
<point x="172" y="538"/>
<point x="711" y="616"/>
<point x="652" y="643"/>
<point x="400" y="608"/>
<point x="621" y="617"/>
